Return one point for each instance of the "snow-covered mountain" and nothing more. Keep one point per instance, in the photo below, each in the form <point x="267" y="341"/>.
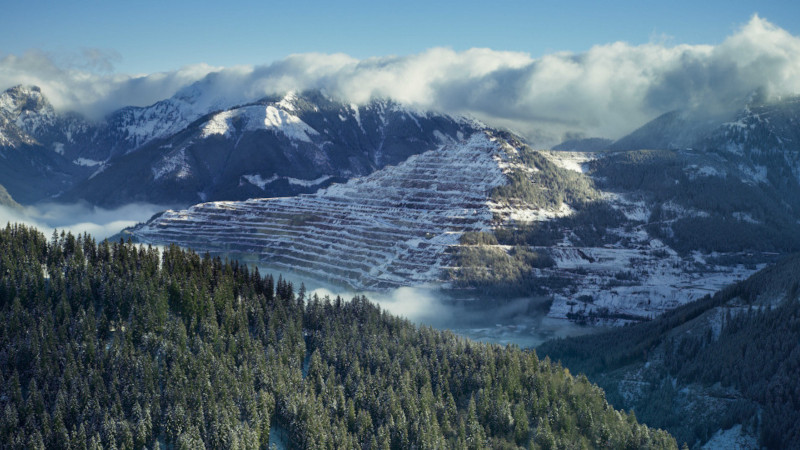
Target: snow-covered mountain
<point x="196" y="146"/>
<point x="595" y="248"/>
<point x="387" y="229"/>
<point x="380" y="195"/>
<point x="765" y="134"/>
<point x="274" y="147"/>
<point x="33" y="162"/>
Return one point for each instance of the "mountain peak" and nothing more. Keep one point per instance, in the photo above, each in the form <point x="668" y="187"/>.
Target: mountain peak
<point x="21" y="99"/>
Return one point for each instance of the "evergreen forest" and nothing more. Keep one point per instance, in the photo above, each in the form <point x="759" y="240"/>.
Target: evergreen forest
<point x="739" y="346"/>
<point x="115" y="345"/>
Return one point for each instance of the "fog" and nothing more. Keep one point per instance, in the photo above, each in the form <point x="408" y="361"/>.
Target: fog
<point x="79" y="218"/>
<point x="520" y="321"/>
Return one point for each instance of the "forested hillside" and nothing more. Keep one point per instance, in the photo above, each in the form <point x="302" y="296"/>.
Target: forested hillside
<point x="728" y="359"/>
<point x="119" y="346"/>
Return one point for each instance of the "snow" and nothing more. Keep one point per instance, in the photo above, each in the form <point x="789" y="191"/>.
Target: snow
<point x="696" y="171"/>
<point x="357" y="115"/>
<point x="308" y="183"/>
<point x="635" y="210"/>
<point x="98" y="171"/>
<point x="443" y="139"/>
<point x="681" y="211"/>
<point x="731" y="439"/>
<point x="258" y="181"/>
<point x="290" y="125"/>
<point x="398" y="226"/>
<point x="756" y="173"/>
<point x="87" y="162"/>
<point x="388" y="229"/>
<point x="287" y="103"/>
<point x="176" y="163"/>
<point x="259" y="117"/>
<point x="574" y="161"/>
<point x="220" y="125"/>
<point x="527" y="214"/>
<point x="745" y="217"/>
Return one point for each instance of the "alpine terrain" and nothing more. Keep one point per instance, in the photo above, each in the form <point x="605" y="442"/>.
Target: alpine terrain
<point x="612" y="236"/>
<point x="196" y="146"/>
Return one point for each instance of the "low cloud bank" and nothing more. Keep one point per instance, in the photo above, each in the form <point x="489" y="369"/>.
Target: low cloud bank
<point x="606" y="91"/>
<point x="79" y="218"/>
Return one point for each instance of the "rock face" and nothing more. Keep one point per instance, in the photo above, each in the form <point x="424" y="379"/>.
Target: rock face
<point x="388" y="229"/>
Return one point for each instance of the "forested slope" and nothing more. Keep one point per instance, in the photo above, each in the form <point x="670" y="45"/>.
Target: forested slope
<point x="114" y="345"/>
<point x="727" y="359"/>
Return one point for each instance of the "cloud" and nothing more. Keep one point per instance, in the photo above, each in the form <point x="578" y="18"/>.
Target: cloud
<point x="85" y="82"/>
<point x="606" y="91"/>
<point x="80" y="218"/>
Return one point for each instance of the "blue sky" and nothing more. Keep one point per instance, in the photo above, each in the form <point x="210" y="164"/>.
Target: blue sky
<point x="154" y="36"/>
<point x="548" y="70"/>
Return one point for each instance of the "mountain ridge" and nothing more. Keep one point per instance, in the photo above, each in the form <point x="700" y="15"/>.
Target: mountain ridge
<point x="342" y="140"/>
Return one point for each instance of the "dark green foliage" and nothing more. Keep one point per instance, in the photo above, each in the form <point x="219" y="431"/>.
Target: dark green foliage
<point x="115" y="346"/>
<point x="665" y="177"/>
<point x="480" y="263"/>
<point x="755" y="354"/>
<point x="546" y="185"/>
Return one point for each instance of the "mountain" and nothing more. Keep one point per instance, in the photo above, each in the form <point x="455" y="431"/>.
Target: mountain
<point x="273" y="147"/>
<point x="762" y="134"/>
<point x="670" y="131"/>
<point x="612" y="236"/>
<point x="197" y="146"/>
<point x="386" y="229"/>
<point x="7" y="200"/>
<point x="584" y="145"/>
<point x="112" y="345"/>
<point x="728" y="361"/>
<point x="489" y="216"/>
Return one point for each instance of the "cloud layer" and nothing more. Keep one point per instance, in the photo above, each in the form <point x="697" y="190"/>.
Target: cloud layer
<point x="606" y="91"/>
<point x="79" y="218"/>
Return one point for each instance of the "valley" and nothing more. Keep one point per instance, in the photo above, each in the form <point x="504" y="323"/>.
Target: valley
<point x="451" y="223"/>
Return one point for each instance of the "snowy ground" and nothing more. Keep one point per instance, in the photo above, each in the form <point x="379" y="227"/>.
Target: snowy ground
<point x="398" y="226"/>
<point x="731" y="439"/>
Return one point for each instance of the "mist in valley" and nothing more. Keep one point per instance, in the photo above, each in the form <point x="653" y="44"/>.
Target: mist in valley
<point x="79" y="218"/>
<point x="520" y="321"/>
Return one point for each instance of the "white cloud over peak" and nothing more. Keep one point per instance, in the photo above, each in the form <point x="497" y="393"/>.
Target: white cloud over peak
<point x="607" y="91"/>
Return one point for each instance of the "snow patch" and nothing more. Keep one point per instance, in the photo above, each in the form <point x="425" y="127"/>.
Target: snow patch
<point x="574" y="161"/>
<point x="731" y="439"/>
<point x="258" y="181"/>
<point x="443" y="139"/>
<point x="756" y="173"/>
<point x="696" y="171"/>
<point x="308" y="183"/>
<point x="221" y="124"/>
<point x="287" y="103"/>
<point x="745" y="217"/>
<point x="259" y="117"/>
<point x="526" y="214"/>
<point x="87" y="162"/>
<point x="176" y="164"/>
<point x="357" y="115"/>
